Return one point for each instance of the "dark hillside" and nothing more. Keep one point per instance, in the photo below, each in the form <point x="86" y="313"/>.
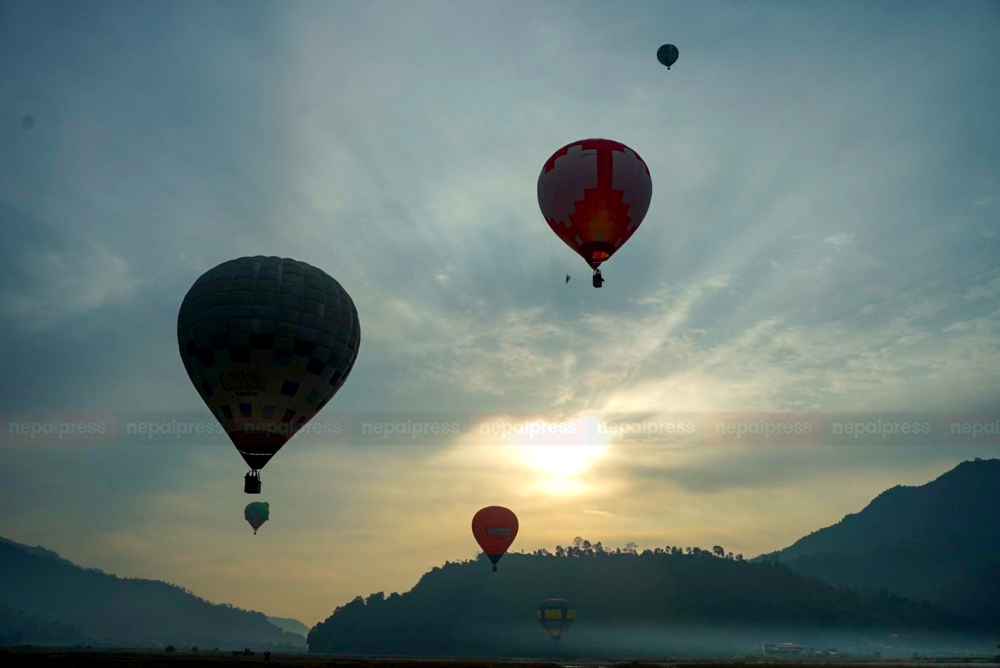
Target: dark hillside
<point x="464" y="609"/>
<point x="125" y="611"/>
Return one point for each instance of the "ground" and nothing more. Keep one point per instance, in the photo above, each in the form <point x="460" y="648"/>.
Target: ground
<point x="187" y="659"/>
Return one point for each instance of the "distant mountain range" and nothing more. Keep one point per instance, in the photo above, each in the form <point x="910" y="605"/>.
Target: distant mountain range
<point x="938" y="542"/>
<point x="46" y="598"/>
<point x="918" y="568"/>
<point x="290" y="625"/>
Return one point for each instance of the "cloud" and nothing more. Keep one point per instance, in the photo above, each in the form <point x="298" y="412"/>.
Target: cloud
<point x="602" y="513"/>
<point x="57" y="286"/>
<point x="840" y="240"/>
<point x="987" y="290"/>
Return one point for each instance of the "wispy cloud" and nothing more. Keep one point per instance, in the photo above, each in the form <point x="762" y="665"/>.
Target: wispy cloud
<point x="55" y="286"/>
<point x="840" y="240"/>
<point x="989" y="289"/>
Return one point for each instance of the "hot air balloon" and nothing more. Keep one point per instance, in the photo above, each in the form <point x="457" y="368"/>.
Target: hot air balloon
<point x="667" y="55"/>
<point x="267" y="342"/>
<point x="495" y="528"/>
<point x="556" y="616"/>
<point x="256" y="514"/>
<point x="594" y="194"/>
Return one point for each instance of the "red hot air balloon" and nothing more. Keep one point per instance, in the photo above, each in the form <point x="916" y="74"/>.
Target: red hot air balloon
<point x="594" y="194"/>
<point x="495" y="528"/>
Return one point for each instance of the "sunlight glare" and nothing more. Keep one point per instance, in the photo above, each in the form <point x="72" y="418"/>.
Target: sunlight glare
<point x="560" y="461"/>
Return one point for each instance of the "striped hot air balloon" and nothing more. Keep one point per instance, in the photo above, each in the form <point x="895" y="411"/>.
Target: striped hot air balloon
<point x="556" y="615"/>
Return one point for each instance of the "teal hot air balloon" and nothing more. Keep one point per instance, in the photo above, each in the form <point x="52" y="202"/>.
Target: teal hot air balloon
<point x="267" y="343"/>
<point x="256" y="514"/>
<point x="556" y="616"/>
<point x="667" y="55"/>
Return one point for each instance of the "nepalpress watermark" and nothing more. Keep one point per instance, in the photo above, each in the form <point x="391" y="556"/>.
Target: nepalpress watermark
<point x="370" y="428"/>
<point x="731" y="428"/>
<point x="58" y="428"/>
<point x="173" y="428"/>
<point x="971" y="428"/>
<point x="200" y="430"/>
<point x="763" y="428"/>
<point x="624" y="427"/>
<point x="904" y="428"/>
<point x="528" y="430"/>
<point x="976" y="430"/>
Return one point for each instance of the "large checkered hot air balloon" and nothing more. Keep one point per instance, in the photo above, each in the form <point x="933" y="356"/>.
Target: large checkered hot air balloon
<point x="267" y="342"/>
<point x="494" y="528"/>
<point x="594" y="194"/>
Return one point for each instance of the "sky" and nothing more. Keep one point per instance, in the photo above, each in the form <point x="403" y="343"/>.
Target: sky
<point x="822" y="240"/>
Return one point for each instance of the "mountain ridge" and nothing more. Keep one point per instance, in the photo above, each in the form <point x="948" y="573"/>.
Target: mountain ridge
<point x="850" y="575"/>
<point x="38" y="550"/>
<point x="929" y="541"/>
<point x="129" y="611"/>
<point x="973" y="485"/>
<point x="290" y="625"/>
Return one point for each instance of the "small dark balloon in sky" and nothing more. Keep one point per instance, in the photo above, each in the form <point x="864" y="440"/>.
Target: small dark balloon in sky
<point x="667" y="54"/>
<point x="28" y="121"/>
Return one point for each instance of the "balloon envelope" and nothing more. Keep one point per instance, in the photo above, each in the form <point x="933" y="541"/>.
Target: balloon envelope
<point x="556" y="616"/>
<point x="667" y="55"/>
<point x="594" y="194"/>
<point x="256" y="514"/>
<point x="267" y="342"/>
<point x="495" y="528"/>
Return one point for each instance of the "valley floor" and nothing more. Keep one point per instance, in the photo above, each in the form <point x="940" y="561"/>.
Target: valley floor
<point x="185" y="659"/>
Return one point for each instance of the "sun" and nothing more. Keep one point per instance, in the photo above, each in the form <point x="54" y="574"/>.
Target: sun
<point x="558" y="463"/>
<point x="561" y="461"/>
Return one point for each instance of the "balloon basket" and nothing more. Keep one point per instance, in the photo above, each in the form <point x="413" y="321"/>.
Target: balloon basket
<point x="251" y="483"/>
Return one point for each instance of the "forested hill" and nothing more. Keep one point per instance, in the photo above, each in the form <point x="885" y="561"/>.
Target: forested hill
<point x="464" y="609"/>
<point x="45" y="597"/>
<point x="960" y="502"/>
<point x="939" y="541"/>
<point x="290" y="625"/>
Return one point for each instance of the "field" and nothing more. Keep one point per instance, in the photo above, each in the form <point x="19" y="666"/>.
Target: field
<point x="187" y="659"/>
